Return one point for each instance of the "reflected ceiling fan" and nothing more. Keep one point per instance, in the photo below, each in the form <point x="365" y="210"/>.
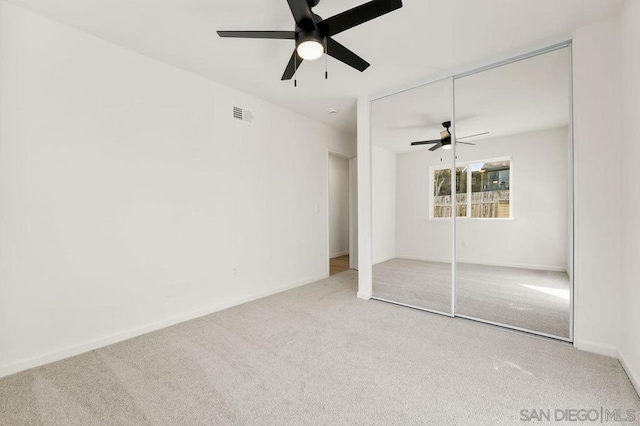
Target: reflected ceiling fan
<point x="445" y="139"/>
<point x="313" y="35"/>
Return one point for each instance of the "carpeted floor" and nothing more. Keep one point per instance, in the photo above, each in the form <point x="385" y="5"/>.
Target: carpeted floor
<point x="524" y="298"/>
<point x="317" y="355"/>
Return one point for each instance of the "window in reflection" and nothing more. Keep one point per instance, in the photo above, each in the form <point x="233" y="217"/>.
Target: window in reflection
<point x="483" y="190"/>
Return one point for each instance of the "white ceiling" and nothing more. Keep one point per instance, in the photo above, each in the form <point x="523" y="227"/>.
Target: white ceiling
<point x="524" y="96"/>
<point x="423" y="38"/>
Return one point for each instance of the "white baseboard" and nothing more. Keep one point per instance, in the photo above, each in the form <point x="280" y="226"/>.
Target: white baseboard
<point x="596" y="348"/>
<point x="364" y="296"/>
<point x="342" y="253"/>
<point x="634" y="376"/>
<point x="384" y="259"/>
<point x="485" y="263"/>
<point x="13" y="368"/>
<point x="422" y="258"/>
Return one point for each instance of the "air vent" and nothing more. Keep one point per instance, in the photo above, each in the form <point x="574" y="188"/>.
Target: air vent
<point x="242" y="115"/>
<point x="237" y="113"/>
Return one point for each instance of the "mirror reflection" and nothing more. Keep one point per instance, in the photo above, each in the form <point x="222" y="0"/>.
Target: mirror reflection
<point x="513" y="216"/>
<point x="412" y="226"/>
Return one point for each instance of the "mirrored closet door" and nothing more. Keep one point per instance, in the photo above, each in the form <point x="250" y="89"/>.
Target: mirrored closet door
<point x="514" y="236"/>
<point x="412" y="197"/>
<point x="489" y="189"/>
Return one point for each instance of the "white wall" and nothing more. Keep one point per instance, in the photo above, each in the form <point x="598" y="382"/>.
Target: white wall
<point x="338" y="206"/>
<point x="130" y="199"/>
<point x="598" y="192"/>
<point x="353" y="213"/>
<point x="416" y="236"/>
<point x="365" y="203"/>
<point x="630" y="321"/>
<point x="384" y="204"/>
<point x="607" y="106"/>
<point x="535" y="238"/>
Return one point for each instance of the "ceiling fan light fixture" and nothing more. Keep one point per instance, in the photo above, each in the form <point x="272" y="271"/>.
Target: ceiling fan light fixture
<point x="310" y="50"/>
<point x="446" y="146"/>
<point x="310" y="45"/>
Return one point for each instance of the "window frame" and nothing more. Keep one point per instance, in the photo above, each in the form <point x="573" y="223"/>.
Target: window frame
<point x="433" y="169"/>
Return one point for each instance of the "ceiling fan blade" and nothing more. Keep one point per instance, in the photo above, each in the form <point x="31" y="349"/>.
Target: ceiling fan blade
<point x="345" y="55"/>
<point x="466" y="143"/>
<point x="425" y="142"/>
<point x="301" y="13"/>
<point x="281" y="35"/>
<point x="435" y="148"/>
<point x="358" y="15"/>
<point x="292" y="66"/>
<point x="473" y="136"/>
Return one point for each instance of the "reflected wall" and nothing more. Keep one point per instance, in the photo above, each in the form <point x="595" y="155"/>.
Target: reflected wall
<point x="415" y="272"/>
<point x="513" y="237"/>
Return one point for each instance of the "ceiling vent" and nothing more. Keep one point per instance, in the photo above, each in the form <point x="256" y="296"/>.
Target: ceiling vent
<point x="243" y="115"/>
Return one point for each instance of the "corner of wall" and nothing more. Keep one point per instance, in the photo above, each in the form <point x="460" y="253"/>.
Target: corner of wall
<point x="634" y="376"/>
<point x="597" y="244"/>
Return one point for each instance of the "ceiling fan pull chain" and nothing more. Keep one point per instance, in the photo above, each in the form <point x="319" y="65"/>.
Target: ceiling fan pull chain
<point x="295" y="72"/>
<point x="326" y="60"/>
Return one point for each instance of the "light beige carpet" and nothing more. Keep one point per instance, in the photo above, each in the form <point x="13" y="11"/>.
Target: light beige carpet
<point x="316" y="355"/>
<point x="529" y="299"/>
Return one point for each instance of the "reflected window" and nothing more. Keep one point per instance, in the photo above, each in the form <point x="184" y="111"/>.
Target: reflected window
<point x="483" y="190"/>
<point x="441" y="178"/>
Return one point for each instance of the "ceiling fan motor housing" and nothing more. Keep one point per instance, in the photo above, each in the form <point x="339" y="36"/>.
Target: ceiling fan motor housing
<point x="309" y="35"/>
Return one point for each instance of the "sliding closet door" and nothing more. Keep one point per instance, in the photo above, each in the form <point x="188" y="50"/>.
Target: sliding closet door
<point x="412" y="198"/>
<point x="514" y="234"/>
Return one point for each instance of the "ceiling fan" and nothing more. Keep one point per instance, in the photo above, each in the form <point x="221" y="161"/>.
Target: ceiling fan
<point x="313" y="35"/>
<point x="445" y="139"/>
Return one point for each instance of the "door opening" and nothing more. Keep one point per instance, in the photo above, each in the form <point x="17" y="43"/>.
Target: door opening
<point x="339" y="207"/>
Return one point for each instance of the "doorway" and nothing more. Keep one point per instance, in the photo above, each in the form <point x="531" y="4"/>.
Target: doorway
<point x="339" y="214"/>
